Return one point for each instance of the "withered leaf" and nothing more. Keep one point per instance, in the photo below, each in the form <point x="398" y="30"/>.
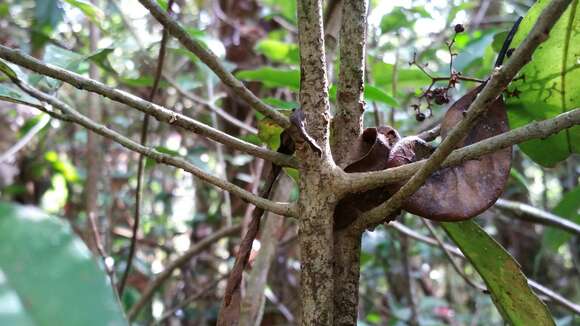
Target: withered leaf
<point x="462" y="191"/>
<point x="371" y="153"/>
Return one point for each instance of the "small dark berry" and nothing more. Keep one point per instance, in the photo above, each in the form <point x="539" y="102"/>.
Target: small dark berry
<point x="459" y="28"/>
<point x="420" y="116"/>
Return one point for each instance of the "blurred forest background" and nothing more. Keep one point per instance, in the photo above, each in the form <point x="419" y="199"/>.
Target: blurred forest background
<point x="71" y="173"/>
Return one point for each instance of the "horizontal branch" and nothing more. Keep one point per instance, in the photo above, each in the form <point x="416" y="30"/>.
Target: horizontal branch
<point x="284" y="209"/>
<point x="159" y="112"/>
<point x="194" y="250"/>
<point x="500" y="78"/>
<point x="536" y="215"/>
<point x="357" y="182"/>
<point x="557" y="298"/>
<point x="213" y="62"/>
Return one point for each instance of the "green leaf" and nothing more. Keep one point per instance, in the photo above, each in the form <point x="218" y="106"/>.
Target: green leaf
<point x="62" y="165"/>
<point x="282" y="105"/>
<point x="286" y="8"/>
<point x="92" y="12"/>
<point x="273" y="77"/>
<point x="13" y="94"/>
<point x="49" y="275"/>
<point x="551" y="85"/>
<point x="149" y="163"/>
<point x="47" y="15"/>
<point x="519" y="179"/>
<point x="508" y="286"/>
<point x="406" y="78"/>
<point x="498" y="40"/>
<point x="5" y="68"/>
<point x="279" y="51"/>
<point x="269" y="133"/>
<point x="396" y="20"/>
<point x="101" y="58"/>
<point x="373" y="93"/>
<point x="568" y="207"/>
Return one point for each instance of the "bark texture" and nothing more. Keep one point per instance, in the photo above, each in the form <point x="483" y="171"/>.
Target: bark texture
<point x="317" y="200"/>
<point x="347" y="125"/>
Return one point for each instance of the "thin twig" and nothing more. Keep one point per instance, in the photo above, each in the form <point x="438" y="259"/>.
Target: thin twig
<point x="189" y="300"/>
<point x="213" y="62"/>
<point x="284" y="209"/>
<point x="557" y="298"/>
<point x="186" y="257"/>
<point x="141" y="163"/>
<point x="532" y="214"/>
<point x="212" y="107"/>
<point x="159" y="112"/>
<point x="22" y="142"/>
<point x="454" y="264"/>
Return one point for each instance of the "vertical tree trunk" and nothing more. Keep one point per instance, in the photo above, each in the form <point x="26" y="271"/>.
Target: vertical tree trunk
<point x="347" y="125"/>
<point x="346" y="277"/>
<point x="317" y="200"/>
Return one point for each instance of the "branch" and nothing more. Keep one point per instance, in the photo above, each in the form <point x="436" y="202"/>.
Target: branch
<point x="557" y="298"/>
<point x="314" y="101"/>
<point x="159" y="112"/>
<point x="22" y="142"/>
<point x="223" y="114"/>
<point x="347" y="122"/>
<point x="213" y="62"/>
<point x="499" y="80"/>
<point x="535" y="215"/>
<point x="357" y="182"/>
<point x="141" y="162"/>
<point x="454" y="264"/>
<point x="181" y="260"/>
<point x="74" y="116"/>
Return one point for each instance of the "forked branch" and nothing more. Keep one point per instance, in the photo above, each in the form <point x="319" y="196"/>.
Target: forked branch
<point x="284" y="209"/>
<point x="159" y="112"/>
<point x="213" y="62"/>
<point x="499" y="80"/>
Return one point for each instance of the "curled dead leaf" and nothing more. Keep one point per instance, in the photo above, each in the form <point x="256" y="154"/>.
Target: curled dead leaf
<point x="462" y="191"/>
<point x="370" y="153"/>
<point x="451" y="194"/>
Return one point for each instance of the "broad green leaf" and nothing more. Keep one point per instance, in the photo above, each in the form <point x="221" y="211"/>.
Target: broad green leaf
<point x="279" y="51"/>
<point x="47" y="15"/>
<point x="92" y="12"/>
<point x="48" y="275"/>
<point x="551" y="85"/>
<point x="568" y="207"/>
<point x="101" y="58"/>
<point x="395" y="20"/>
<point x="406" y="77"/>
<point x="273" y="77"/>
<point x="4" y="9"/>
<point x="508" y="286"/>
<point x="373" y="93"/>
<point x="13" y="94"/>
<point x="62" y="165"/>
<point x="286" y="8"/>
<point x="279" y="104"/>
